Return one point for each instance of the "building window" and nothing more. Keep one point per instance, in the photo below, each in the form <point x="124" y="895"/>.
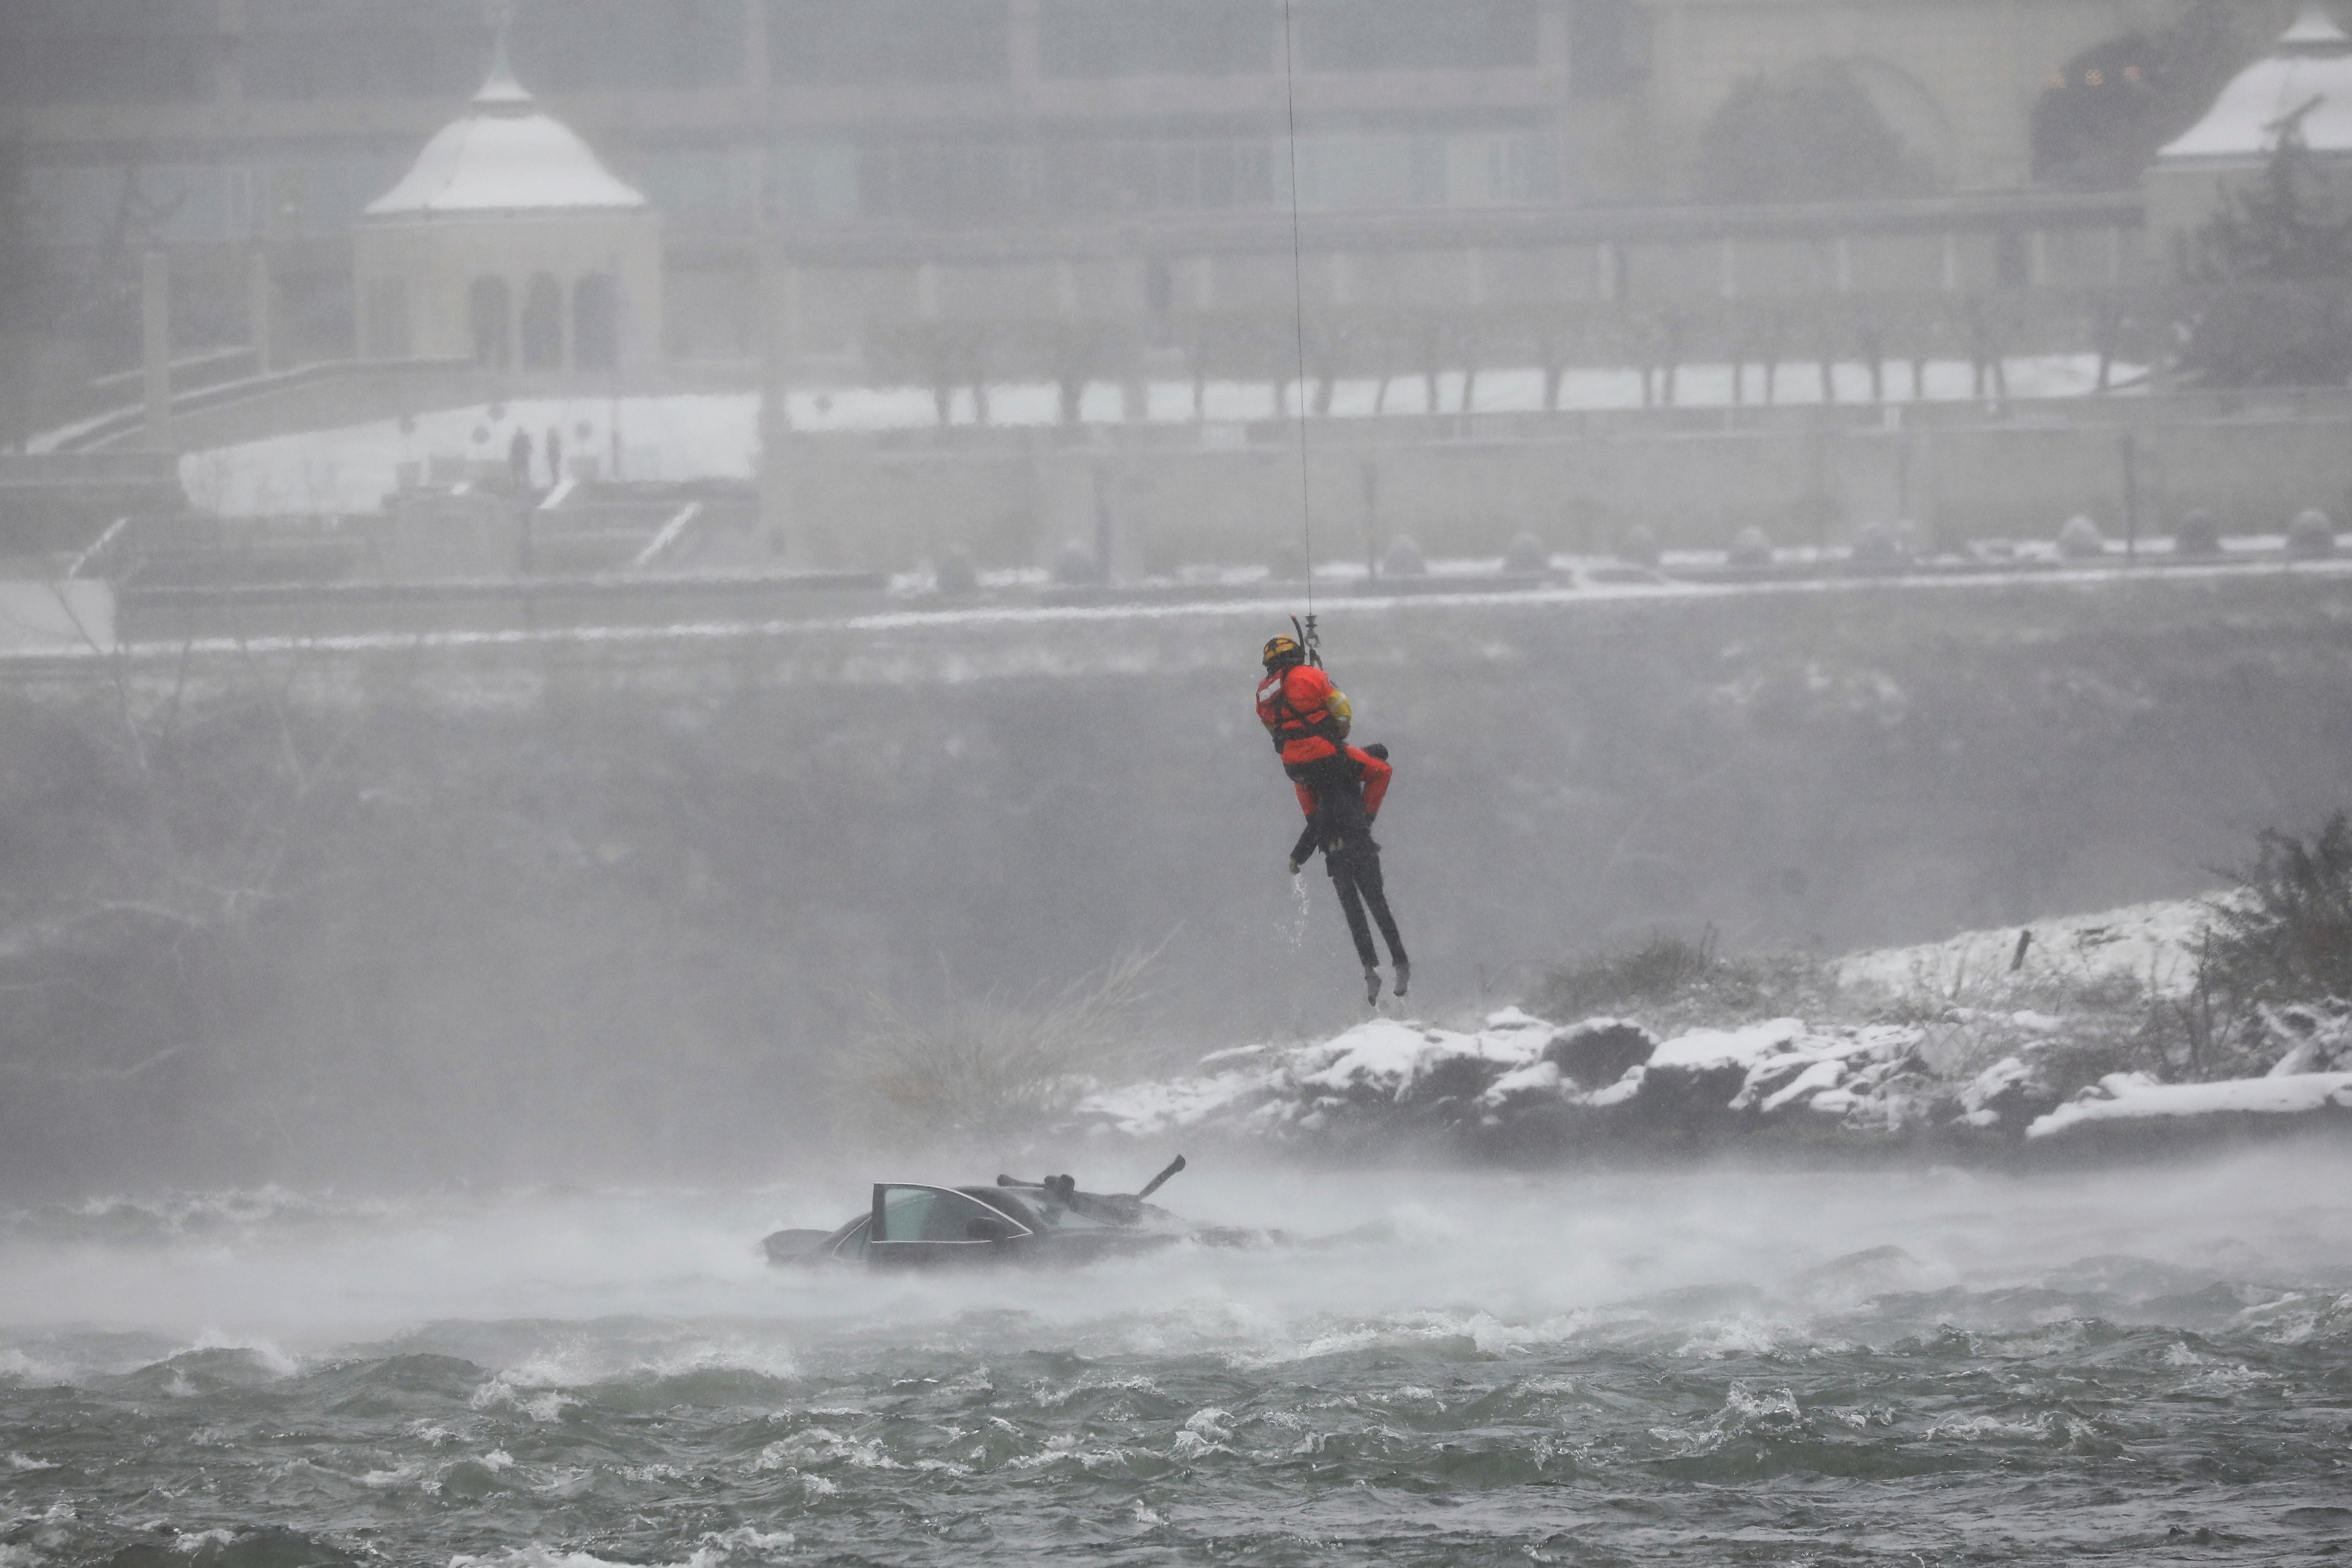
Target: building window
<point x="165" y="52"/>
<point x="387" y="318"/>
<point x="542" y="324"/>
<point x="1344" y="171"/>
<point x="1097" y="38"/>
<point x="1608" y="47"/>
<point x="303" y="51"/>
<point x="940" y="182"/>
<point x="596" y="322"/>
<point x="676" y="46"/>
<point x="1415" y="34"/>
<point x="2012" y="264"/>
<point x="824" y="41"/>
<point x="489" y="308"/>
<point x="109" y="51"/>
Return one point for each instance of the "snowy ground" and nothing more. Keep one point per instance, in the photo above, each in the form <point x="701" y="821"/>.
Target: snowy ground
<point x="716" y="436"/>
<point x="1508" y="1072"/>
<point x="2154" y="945"/>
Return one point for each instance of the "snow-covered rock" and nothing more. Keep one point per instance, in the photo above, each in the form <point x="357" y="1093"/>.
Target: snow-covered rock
<point x="1379" y="1065"/>
<point x="2316" y="1037"/>
<point x="2004" y="1090"/>
<point x="2135" y="1097"/>
<point x="1517" y="1075"/>
<point x="2055" y="1025"/>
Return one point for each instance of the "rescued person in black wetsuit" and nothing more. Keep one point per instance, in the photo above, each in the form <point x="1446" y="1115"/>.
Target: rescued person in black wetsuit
<point x="1339" y="814"/>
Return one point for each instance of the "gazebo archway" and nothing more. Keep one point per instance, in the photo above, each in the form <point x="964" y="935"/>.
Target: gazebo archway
<point x="490" y="311"/>
<point x="596" y="322"/>
<point x="542" y="323"/>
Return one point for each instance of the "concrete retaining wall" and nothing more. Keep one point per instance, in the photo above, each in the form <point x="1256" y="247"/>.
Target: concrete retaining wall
<point x="1468" y="487"/>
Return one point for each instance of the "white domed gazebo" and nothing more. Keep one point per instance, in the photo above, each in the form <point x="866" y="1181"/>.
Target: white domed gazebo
<point x="510" y="244"/>
<point x="2308" y="76"/>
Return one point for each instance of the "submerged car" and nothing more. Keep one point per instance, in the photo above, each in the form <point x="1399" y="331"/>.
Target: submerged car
<point x="1048" y="1223"/>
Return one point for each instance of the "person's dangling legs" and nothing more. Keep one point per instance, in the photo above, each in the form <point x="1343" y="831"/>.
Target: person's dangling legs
<point x="1344" y="868"/>
<point x="1366" y="879"/>
<point x="1351" y="904"/>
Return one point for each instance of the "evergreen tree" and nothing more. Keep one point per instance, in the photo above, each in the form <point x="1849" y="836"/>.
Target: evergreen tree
<point x="2279" y="231"/>
<point x="2281" y="262"/>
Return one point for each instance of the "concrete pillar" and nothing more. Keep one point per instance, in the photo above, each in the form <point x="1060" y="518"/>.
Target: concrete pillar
<point x="259" y="312"/>
<point x="1729" y="268"/>
<point x="1842" y="255"/>
<point x="1552" y="41"/>
<point x="1951" y="263"/>
<point x="1605" y="270"/>
<point x="1204" y="283"/>
<point x="777" y="315"/>
<point x="756" y="76"/>
<point x="155" y="343"/>
<point x="1473" y="279"/>
<point x="1021" y="35"/>
<point x="758" y="81"/>
<point x="2009" y="164"/>
<point x="1105" y="524"/>
<point x="1066" y="288"/>
<point x="229" y="78"/>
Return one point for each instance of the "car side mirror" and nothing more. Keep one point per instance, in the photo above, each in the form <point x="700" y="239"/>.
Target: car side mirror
<point x="987" y="1227"/>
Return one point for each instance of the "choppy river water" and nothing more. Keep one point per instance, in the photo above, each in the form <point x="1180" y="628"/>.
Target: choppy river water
<point x="1723" y="1366"/>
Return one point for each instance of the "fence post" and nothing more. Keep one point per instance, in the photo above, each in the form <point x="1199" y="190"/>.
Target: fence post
<point x="155" y="343"/>
<point x="2131" y="496"/>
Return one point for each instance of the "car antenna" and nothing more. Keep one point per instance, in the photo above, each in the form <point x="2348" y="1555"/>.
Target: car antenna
<point x="1153" y="1186"/>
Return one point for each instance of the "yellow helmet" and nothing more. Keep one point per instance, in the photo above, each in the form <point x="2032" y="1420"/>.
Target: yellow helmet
<point x="1281" y="650"/>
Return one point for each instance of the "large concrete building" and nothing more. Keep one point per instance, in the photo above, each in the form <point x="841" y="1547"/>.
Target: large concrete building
<point x="862" y="129"/>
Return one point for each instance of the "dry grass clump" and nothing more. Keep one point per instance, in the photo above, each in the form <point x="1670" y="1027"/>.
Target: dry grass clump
<point x="1670" y="983"/>
<point x="993" y="1067"/>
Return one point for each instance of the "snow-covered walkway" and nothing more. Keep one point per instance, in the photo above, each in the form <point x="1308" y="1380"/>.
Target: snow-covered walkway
<point x="689" y="435"/>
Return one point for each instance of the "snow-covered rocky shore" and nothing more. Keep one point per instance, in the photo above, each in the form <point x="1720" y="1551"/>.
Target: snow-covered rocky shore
<point x="1978" y="1043"/>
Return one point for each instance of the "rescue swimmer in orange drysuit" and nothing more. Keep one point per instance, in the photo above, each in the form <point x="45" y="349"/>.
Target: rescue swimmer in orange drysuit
<point x="1340" y="788"/>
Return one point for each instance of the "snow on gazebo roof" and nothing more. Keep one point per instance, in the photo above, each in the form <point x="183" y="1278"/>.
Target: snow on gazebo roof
<point x="506" y="155"/>
<point x="2313" y="60"/>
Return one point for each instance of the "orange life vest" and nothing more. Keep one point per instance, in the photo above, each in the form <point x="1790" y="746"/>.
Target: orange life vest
<point x="1304" y="712"/>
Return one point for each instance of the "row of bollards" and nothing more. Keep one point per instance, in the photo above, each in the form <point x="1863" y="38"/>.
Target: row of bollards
<point x="2310" y="536"/>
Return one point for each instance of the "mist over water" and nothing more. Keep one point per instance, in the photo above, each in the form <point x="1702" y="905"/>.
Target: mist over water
<point x="1606" y="1367"/>
<point x="614" y="920"/>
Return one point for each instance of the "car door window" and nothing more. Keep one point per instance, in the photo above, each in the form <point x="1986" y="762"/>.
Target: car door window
<point x="932" y="1214"/>
<point x="851" y="1247"/>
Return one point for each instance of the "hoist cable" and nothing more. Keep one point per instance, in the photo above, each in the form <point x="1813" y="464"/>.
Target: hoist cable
<point x="1298" y="313"/>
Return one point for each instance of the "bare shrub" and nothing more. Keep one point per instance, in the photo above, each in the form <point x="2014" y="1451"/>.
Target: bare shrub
<point x="1674" y="981"/>
<point x="991" y="1066"/>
